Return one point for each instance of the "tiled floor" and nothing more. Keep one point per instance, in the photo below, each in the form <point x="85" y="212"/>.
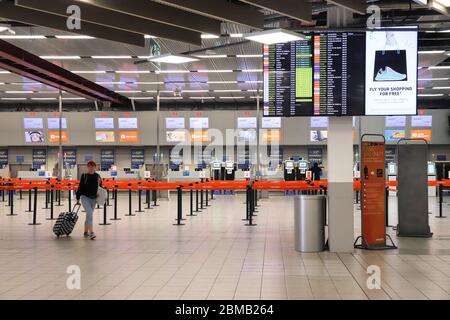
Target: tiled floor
<point x="214" y="256"/>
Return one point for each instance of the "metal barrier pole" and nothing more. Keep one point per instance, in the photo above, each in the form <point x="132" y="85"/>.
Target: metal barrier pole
<point x="51" y="204"/>
<point x="179" y="207"/>
<point x="155" y="196"/>
<point x="107" y="198"/>
<point x="140" y="202"/>
<point x="35" y="209"/>
<point x="29" y="200"/>
<point x="252" y="207"/>
<point x="201" y="199"/>
<point x="58" y="192"/>
<point x="247" y="203"/>
<point x="191" y="203"/>
<point x="196" y="201"/>
<point x="206" y="198"/>
<point x="149" y="201"/>
<point x="46" y="198"/>
<point x="105" y="216"/>
<point x="11" y="196"/>
<point x="440" y="192"/>
<point x="70" y="198"/>
<point x="129" y="204"/>
<point x="115" y="204"/>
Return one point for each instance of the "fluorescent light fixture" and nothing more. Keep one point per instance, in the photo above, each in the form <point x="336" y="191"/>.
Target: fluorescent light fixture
<point x="73" y="37"/>
<point x="209" y="36"/>
<point x="431" y="52"/>
<point x="240" y="97"/>
<point x="236" y="35"/>
<point x="274" y="36"/>
<point x="170" y="98"/>
<point x="2" y="83"/>
<point x="202" y="98"/>
<point x="110" y="82"/>
<point x="173" y="58"/>
<point x="228" y="90"/>
<point x="131" y="71"/>
<point x="111" y="57"/>
<point x="249" y="56"/>
<point x="217" y="71"/>
<point x="194" y="91"/>
<point x="16" y="92"/>
<point x="4" y="72"/>
<point x="254" y="81"/>
<point x="60" y="57"/>
<point x="128" y="91"/>
<point x="89" y="71"/>
<point x="433" y="79"/>
<point x="252" y="70"/>
<point x="440" y="88"/>
<point x="221" y="82"/>
<point x="25" y="37"/>
<point x="154" y="82"/>
<point x="75" y="98"/>
<point x="171" y="71"/>
<point x="141" y="98"/>
<point x="149" y="37"/>
<point x="430" y="95"/>
<point x="445" y="3"/>
<point x="439" y="67"/>
<point x="14" y="99"/>
<point x="145" y="57"/>
<point x="212" y="56"/>
<point x="43" y="99"/>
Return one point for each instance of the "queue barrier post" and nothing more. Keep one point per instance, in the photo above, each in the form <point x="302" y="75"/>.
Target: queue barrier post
<point x="251" y="207"/>
<point x="51" y="203"/>
<point x="35" y="223"/>
<point x="115" y="203"/>
<point x="105" y="216"/>
<point x="140" y="201"/>
<point x="440" y="193"/>
<point x="179" y="207"/>
<point x="191" y="202"/>
<point x="29" y="199"/>
<point x="11" y="201"/>
<point x="130" y="209"/>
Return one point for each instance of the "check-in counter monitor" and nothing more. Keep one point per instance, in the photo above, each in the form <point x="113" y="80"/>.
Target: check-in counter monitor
<point x="302" y="167"/>
<point x="392" y="176"/>
<point x="289" y="170"/>
<point x="229" y="170"/>
<point x="216" y="170"/>
<point x="431" y="173"/>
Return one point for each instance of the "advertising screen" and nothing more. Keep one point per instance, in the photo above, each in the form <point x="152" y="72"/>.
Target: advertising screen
<point x="104" y="123"/>
<point x="319" y="122"/>
<point x="395" y="121"/>
<point x="175" y="123"/>
<point x="342" y="73"/>
<point x="199" y="123"/>
<point x="247" y="135"/>
<point x="34" y="136"/>
<point x="129" y="136"/>
<point x="33" y="123"/>
<point x="394" y="135"/>
<point x="53" y="136"/>
<point x="271" y="136"/>
<point x="271" y="123"/>
<point x="176" y="136"/>
<point x="421" y="134"/>
<point x="128" y="123"/>
<point x="53" y="123"/>
<point x="246" y="123"/>
<point x="318" y="135"/>
<point x="104" y="136"/>
<point x="421" y="121"/>
<point x="199" y="136"/>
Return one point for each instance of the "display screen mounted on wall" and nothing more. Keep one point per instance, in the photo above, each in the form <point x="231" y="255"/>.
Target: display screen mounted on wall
<point x="128" y="123"/>
<point x="318" y="135"/>
<point x="104" y="136"/>
<point x="343" y="73"/>
<point x="271" y="123"/>
<point x="53" y="123"/>
<point x="246" y="123"/>
<point x="319" y="122"/>
<point x="247" y="135"/>
<point x="421" y="134"/>
<point x="199" y="136"/>
<point x="175" y="123"/>
<point x="33" y="123"/>
<point x="176" y="136"/>
<point x="129" y="136"/>
<point x="34" y="136"/>
<point x="421" y="121"/>
<point x="273" y="135"/>
<point x="395" y="121"/>
<point x="104" y="123"/>
<point x="394" y="135"/>
<point x="198" y="123"/>
<point x="53" y="136"/>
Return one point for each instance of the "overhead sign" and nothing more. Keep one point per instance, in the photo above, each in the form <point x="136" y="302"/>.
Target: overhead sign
<point x="39" y="158"/>
<point x="137" y="158"/>
<point x="129" y="136"/>
<point x="107" y="158"/>
<point x="53" y="136"/>
<point x="3" y="157"/>
<point x="70" y="157"/>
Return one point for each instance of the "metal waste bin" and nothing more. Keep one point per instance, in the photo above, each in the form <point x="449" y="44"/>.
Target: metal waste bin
<point x="309" y="219"/>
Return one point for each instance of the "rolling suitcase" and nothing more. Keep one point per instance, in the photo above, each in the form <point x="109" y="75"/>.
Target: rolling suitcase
<point x="66" y="222"/>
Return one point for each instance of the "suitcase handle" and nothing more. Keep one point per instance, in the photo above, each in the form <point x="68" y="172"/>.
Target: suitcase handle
<point x="78" y="206"/>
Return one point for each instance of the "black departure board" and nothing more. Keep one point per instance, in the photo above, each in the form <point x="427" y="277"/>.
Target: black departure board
<point x="322" y="75"/>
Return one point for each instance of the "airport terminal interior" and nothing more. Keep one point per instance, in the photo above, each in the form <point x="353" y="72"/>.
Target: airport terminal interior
<point x="225" y="150"/>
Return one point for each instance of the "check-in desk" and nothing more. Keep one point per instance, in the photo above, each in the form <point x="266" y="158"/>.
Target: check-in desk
<point x="34" y="175"/>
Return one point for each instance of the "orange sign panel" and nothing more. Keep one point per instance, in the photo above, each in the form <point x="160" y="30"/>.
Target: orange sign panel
<point x="272" y="136"/>
<point x="373" y="193"/>
<point x="128" y="136"/>
<point x="421" y="134"/>
<point x="53" y="136"/>
<point x="199" y="136"/>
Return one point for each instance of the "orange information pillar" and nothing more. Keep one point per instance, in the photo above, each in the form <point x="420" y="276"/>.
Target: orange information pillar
<point x="373" y="196"/>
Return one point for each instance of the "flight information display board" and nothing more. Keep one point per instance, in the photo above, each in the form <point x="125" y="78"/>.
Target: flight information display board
<point x="342" y="73"/>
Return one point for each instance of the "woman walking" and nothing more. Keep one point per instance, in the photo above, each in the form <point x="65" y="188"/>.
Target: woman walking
<point x="87" y="193"/>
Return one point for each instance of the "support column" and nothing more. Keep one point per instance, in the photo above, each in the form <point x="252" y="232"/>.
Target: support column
<point x="340" y="166"/>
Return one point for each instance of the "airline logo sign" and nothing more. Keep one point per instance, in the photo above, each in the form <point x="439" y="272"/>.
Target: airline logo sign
<point x="129" y="136"/>
<point x="53" y="136"/>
